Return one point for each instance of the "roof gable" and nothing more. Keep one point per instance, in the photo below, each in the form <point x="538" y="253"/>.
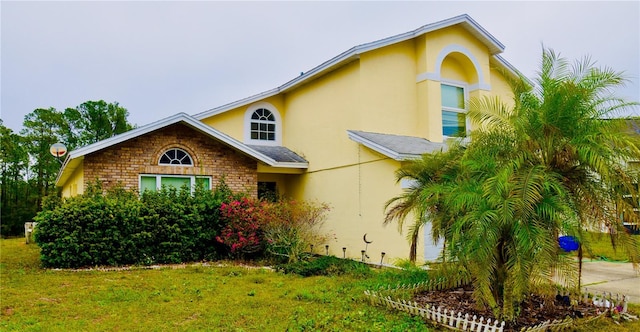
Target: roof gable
<point x="493" y="45"/>
<point x="74" y="157"/>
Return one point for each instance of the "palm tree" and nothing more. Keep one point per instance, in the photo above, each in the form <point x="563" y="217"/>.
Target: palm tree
<point x="567" y="171"/>
<point x="545" y="164"/>
<point x="429" y="177"/>
<point x="561" y="125"/>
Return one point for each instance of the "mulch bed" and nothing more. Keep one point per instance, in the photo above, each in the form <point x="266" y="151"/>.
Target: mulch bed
<point x="535" y="310"/>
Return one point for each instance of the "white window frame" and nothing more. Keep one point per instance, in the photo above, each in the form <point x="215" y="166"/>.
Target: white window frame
<point x="192" y="180"/>
<point x="465" y="91"/>
<point x="247" y="124"/>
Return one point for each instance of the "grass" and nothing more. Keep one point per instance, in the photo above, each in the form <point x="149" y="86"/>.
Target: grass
<point x="193" y="298"/>
<point x="230" y="298"/>
<point x="601" y="248"/>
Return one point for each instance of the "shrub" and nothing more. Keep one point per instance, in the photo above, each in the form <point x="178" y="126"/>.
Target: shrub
<point x="120" y="227"/>
<point x="244" y="220"/>
<point x="292" y="227"/>
<point x="87" y="230"/>
<point x="325" y="265"/>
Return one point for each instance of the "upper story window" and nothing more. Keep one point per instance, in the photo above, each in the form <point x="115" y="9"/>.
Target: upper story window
<point x="454" y="115"/>
<point x="262" y="125"/>
<point x="176" y="157"/>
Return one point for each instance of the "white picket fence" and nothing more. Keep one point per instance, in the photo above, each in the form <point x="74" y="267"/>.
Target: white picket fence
<point x="439" y="315"/>
<point x="465" y="322"/>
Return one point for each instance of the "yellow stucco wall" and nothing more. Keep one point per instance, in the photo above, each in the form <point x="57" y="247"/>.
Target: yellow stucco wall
<point x="75" y="184"/>
<point x="391" y="90"/>
<point x="232" y="122"/>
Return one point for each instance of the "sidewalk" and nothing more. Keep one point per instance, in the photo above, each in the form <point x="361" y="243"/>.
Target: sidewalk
<point x="611" y="277"/>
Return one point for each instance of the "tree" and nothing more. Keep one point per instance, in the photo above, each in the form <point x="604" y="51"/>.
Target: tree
<point x="93" y="121"/>
<point x="429" y="177"/>
<point x="29" y="170"/>
<point x="42" y="128"/>
<point x="545" y="164"/>
<point x="15" y="205"/>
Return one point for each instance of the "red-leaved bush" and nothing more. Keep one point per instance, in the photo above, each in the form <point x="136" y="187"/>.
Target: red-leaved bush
<point x="244" y="220"/>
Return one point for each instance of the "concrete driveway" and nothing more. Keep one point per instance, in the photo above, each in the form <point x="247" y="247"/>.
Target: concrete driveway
<point x="610" y="277"/>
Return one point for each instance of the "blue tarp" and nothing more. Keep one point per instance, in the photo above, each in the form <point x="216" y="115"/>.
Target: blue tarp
<point x="568" y="243"/>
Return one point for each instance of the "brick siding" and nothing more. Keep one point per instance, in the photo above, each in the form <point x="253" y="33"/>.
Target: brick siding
<point x="124" y="162"/>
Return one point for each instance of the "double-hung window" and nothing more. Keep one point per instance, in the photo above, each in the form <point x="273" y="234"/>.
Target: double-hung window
<point x="454" y="114"/>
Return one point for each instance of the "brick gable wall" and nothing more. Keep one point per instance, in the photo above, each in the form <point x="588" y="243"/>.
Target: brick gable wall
<point x="124" y="162"/>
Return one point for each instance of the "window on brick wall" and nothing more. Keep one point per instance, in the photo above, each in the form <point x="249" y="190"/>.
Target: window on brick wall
<point x="155" y="182"/>
<point x="175" y="157"/>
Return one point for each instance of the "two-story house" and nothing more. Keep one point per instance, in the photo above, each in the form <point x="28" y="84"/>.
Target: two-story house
<point x="335" y="134"/>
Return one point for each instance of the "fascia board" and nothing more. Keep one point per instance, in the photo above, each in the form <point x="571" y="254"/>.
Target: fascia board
<point x="237" y="103"/>
<point x="405" y="156"/>
<point x="502" y="62"/>
<point x="373" y="146"/>
<point x="354" y="53"/>
<point x="127" y="135"/>
<point x="493" y="44"/>
<point x="73" y="156"/>
<point x="290" y="165"/>
<point x="230" y="141"/>
<point x="67" y="168"/>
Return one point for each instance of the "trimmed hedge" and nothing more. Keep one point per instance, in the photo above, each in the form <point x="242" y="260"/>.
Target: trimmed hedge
<point x="119" y="227"/>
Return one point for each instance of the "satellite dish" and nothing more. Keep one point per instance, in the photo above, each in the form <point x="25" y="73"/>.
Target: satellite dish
<point x="58" y="150"/>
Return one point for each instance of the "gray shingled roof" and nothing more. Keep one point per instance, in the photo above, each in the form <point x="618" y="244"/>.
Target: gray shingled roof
<point x="397" y="147"/>
<point x="278" y="153"/>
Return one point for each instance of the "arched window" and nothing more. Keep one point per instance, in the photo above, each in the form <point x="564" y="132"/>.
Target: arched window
<point x="176" y="156"/>
<point x="263" y="125"/>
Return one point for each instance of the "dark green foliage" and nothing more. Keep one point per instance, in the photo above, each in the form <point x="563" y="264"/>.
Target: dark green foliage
<point x="120" y="228"/>
<point x="27" y="168"/>
<point x="325" y="265"/>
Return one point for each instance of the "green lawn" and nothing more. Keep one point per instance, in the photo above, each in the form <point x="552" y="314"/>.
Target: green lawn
<point x="211" y="298"/>
<point x="231" y="298"/>
<point x="601" y="248"/>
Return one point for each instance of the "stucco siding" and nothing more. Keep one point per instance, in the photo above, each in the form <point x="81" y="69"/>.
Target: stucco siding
<point x="75" y="184"/>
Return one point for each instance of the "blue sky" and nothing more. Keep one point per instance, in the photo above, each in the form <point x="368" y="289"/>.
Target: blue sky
<point x="160" y="58"/>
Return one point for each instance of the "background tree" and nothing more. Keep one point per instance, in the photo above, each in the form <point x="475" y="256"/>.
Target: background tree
<point x="29" y="170"/>
<point x="42" y="128"/>
<point x="93" y="121"/>
<point x="15" y="197"/>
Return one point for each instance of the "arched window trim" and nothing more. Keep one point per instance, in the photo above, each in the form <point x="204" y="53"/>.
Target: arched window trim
<point x="247" y="124"/>
<point x="186" y="160"/>
<point x="451" y="48"/>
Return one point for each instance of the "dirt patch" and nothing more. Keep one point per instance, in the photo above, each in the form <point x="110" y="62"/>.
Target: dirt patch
<point x="7" y="311"/>
<point x="535" y="310"/>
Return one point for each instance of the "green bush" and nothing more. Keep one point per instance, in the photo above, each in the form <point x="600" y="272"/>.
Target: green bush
<point x="88" y="230"/>
<point x="120" y="227"/>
